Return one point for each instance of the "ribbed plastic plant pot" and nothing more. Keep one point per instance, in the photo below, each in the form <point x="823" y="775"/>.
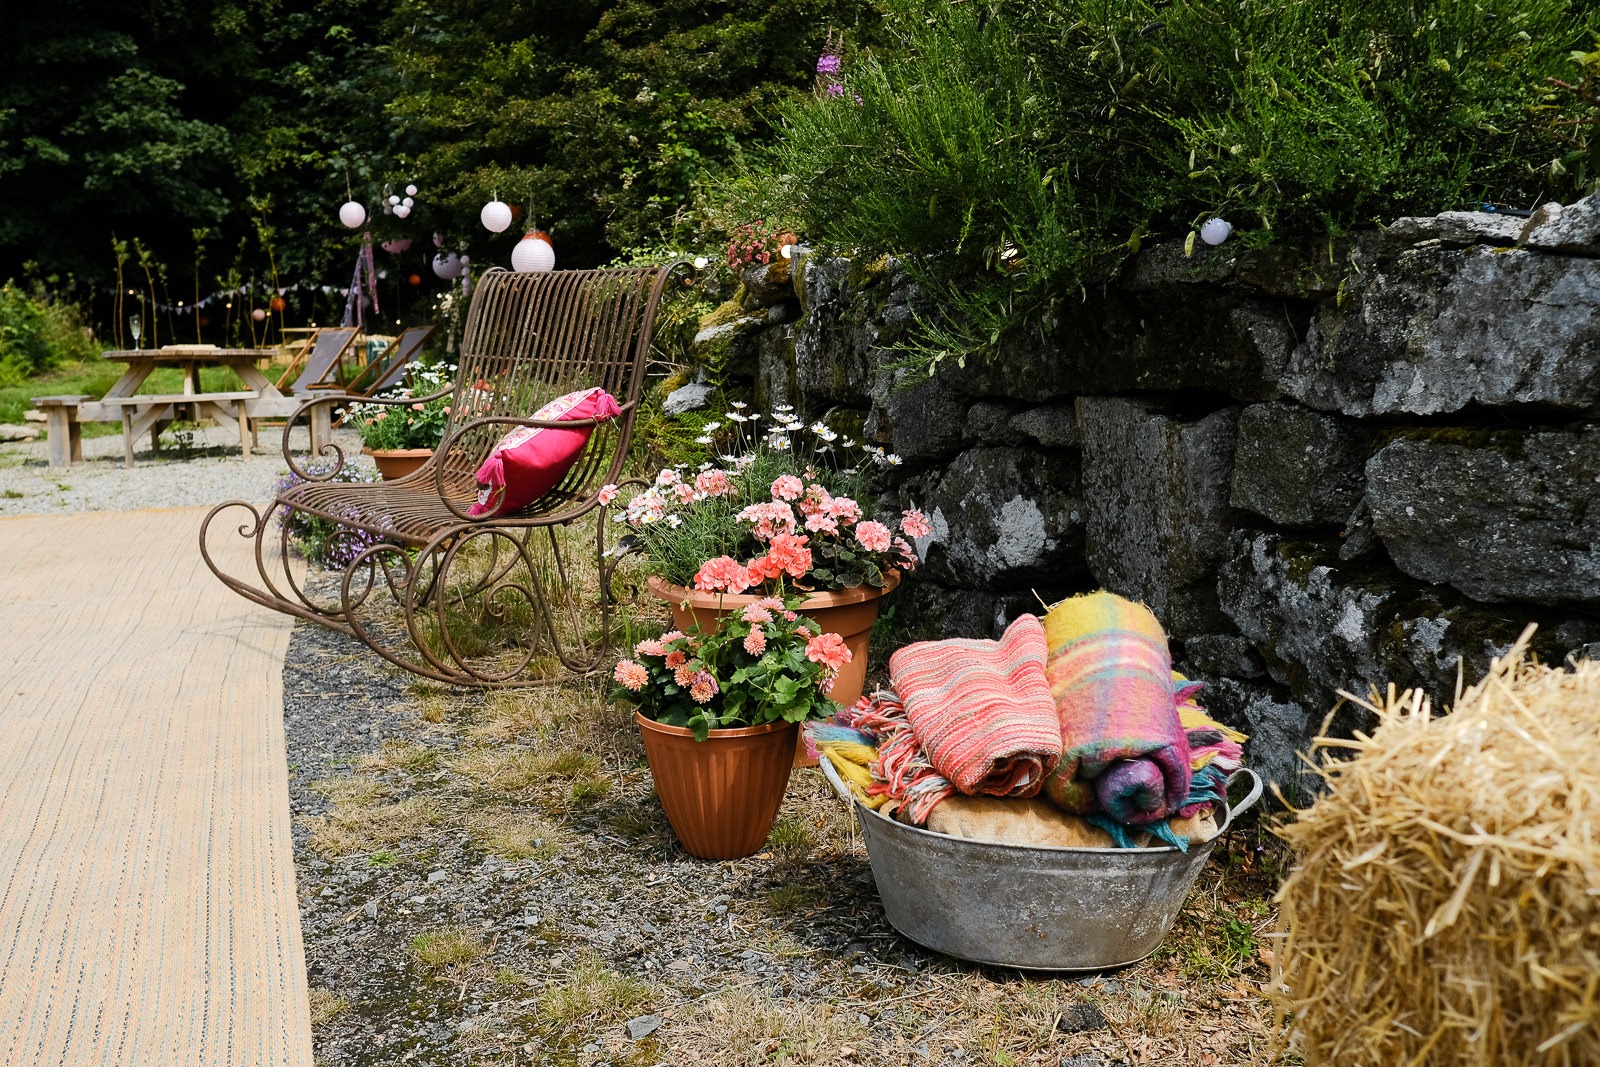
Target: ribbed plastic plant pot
<point x="849" y="613"/>
<point x="721" y="794"/>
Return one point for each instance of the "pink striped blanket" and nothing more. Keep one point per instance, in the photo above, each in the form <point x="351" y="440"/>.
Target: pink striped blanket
<point x="968" y="716"/>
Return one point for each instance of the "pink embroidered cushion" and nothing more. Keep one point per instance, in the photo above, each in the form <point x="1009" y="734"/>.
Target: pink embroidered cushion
<point x="530" y="460"/>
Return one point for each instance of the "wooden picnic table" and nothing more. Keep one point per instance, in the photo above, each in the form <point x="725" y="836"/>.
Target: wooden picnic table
<point x="259" y="398"/>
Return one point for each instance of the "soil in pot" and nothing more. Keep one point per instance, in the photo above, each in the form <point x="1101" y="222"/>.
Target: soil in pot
<point x="721" y="794"/>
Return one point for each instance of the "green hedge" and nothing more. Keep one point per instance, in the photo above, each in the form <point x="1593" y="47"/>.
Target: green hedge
<point x="1021" y="149"/>
<point x="37" y="334"/>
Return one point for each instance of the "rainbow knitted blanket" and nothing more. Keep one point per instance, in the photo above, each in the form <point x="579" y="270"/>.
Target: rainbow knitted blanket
<point x="1125" y="752"/>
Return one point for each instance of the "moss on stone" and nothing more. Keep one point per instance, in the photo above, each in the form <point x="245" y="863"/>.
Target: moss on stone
<point x="1509" y="443"/>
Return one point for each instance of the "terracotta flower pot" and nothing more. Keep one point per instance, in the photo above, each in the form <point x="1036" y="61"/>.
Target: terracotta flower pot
<point x="849" y="613"/>
<point x="397" y="462"/>
<point x="721" y="794"/>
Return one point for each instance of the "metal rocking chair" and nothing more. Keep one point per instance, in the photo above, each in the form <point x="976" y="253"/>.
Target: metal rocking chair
<point x="458" y="584"/>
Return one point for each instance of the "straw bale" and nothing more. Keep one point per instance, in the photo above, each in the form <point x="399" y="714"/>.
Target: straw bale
<point x="1445" y="906"/>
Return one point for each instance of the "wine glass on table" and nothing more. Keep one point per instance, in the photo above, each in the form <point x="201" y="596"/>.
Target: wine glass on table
<point x="135" y="327"/>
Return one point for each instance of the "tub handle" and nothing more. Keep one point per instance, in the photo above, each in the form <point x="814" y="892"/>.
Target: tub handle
<point x="1249" y="801"/>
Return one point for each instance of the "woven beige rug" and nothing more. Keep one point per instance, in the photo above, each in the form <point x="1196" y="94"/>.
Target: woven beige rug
<point x="147" y="894"/>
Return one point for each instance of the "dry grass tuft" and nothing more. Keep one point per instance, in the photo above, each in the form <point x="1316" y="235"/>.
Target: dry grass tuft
<point x="1446" y="906"/>
<point x="512" y="834"/>
<point x="354" y="829"/>
<point x="750" y="1027"/>
<point x="350" y="789"/>
<point x="326" y="1006"/>
<point x="593" y="992"/>
<point x="451" y="946"/>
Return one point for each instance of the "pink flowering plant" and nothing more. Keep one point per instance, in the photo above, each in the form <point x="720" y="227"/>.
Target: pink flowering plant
<point x="778" y="510"/>
<point x="419" y="424"/>
<point x="764" y="663"/>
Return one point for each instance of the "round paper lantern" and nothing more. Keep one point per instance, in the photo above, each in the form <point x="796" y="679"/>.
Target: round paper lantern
<point x="352" y="214"/>
<point x="446" y="265"/>
<point x="402" y="211"/>
<point x="415" y="279"/>
<point x="533" y="253"/>
<point x="411" y="190"/>
<point x="204" y="322"/>
<point x="394" y="199"/>
<point x="277" y="303"/>
<point x="465" y="260"/>
<point x="259" y="315"/>
<point x="1215" y="231"/>
<point x="397" y="245"/>
<point x="495" y="216"/>
<point x="408" y="202"/>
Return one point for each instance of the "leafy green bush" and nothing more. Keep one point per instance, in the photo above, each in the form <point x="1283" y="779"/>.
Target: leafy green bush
<point x="1020" y="149"/>
<point x="37" y="334"/>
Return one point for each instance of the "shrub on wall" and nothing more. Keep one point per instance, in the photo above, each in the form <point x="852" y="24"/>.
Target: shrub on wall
<point x="1025" y="147"/>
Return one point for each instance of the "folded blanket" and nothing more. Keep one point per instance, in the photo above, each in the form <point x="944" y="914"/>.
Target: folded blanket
<point x="981" y="713"/>
<point x="1215" y="751"/>
<point x="1125" y="754"/>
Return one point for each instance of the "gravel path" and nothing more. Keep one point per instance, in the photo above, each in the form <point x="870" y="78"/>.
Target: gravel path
<point x="208" y="471"/>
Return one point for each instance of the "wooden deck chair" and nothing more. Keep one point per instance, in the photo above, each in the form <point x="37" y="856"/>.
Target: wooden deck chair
<point x="319" y="359"/>
<point x="389" y="369"/>
<point x="499" y="601"/>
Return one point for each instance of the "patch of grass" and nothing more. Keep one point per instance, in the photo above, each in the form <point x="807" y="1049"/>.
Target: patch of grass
<point x="751" y="1027"/>
<point x="593" y="993"/>
<point x="383" y="858"/>
<point x="588" y="790"/>
<point x="511" y="833"/>
<point x="401" y="756"/>
<point x="326" y="1006"/>
<point x="451" y="946"/>
<point x="11" y="494"/>
<point x="354" y="829"/>
<point x="791" y="837"/>
<point x="350" y="789"/>
<point x="794" y="897"/>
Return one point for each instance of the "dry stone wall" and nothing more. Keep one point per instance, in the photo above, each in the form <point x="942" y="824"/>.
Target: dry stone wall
<point x="1324" y="468"/>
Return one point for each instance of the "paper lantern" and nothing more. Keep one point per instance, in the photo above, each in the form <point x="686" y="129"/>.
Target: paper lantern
<point x="352" y="214"/>
<point x="411" y="190"/>
<point x="408" y="202"/>
<point x="495" y="216"/>
<point x="402" y="211"/>
<point x="446" y="265"/>
<point x="259" y="315"/>
<point x="204" y="322"/>
<point x="397" y="245"/>
<point x="415" y="279"/>
<point x="533" y="253"/>
<point x="1215" y="231"/>
<point x="394" y="199"/>
<point x="277" y="303"/>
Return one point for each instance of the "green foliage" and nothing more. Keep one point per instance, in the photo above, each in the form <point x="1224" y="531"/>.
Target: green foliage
<point x="1020" y="150"/>
<point x="37" y="334"/>
<point x="750" y="670"/>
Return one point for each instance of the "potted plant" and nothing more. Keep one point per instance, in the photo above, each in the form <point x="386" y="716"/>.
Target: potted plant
<point x="719" y="710"/>
<point x="401" y="437"/>
<point x="777" y="511"/>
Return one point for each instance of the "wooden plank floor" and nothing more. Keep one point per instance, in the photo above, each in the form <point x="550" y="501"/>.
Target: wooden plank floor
<point x="147" y="894"/>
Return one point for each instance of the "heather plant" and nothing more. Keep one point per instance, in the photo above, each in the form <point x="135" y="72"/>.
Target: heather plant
<point x="323" y="541"/>
<point x="1017" y="152"/>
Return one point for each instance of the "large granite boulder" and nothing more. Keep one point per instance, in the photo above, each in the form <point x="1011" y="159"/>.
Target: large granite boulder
<point x="1438" y="330"/>
<point x="1002" y="518"/>
<point x="1500" y="515"/>
<point x="1155" y="489"/>
<point x="1298" y="467"/>
<point x="919" y="423"/>
<point x="1575" y="230"/>
<point x="1322" y="624"/>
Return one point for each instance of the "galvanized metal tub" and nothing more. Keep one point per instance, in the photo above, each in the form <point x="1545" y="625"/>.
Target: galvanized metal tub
<point x="1046" y="909"/>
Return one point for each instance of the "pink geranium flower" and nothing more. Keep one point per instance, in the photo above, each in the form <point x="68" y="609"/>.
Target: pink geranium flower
<point x="667" y="477"/>
<point x="684" y="492"/>
<point x="723" y="573"/>
<point x="844" y="509"/>
<point x="755" y="613"/>
<point x="823" y="523"/>
<point x="915" y="523"/>
<point x="873" y="536"/>
<point x="828" y="650"/>
<point x="631" y="674"/>
<point x="791" y="554"/>
<point x="649" y="648"/>
<point x="788" y="487"/>
<point x="713" y="483"/>
<point x="908" y="555"/>
<point x="755" y="641"/>
<point x="608" y="493"/>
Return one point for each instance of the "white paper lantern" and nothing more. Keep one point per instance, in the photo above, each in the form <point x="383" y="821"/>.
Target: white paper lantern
<point x="408" y="202"/>
<point x="352" y="214"/>
<point x="446" y="265"/>
<point x="258" y="314"/>
<point x="402" y="211"/>
<point x="533" y="253"/>
<point x="397" y="245"/>
<point x="1215" y="231"/>
<point x="411" y="190"/>
<point x="394" y="199"/>
<point x="495" y="216"/>
<point x="465" y="260"/>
